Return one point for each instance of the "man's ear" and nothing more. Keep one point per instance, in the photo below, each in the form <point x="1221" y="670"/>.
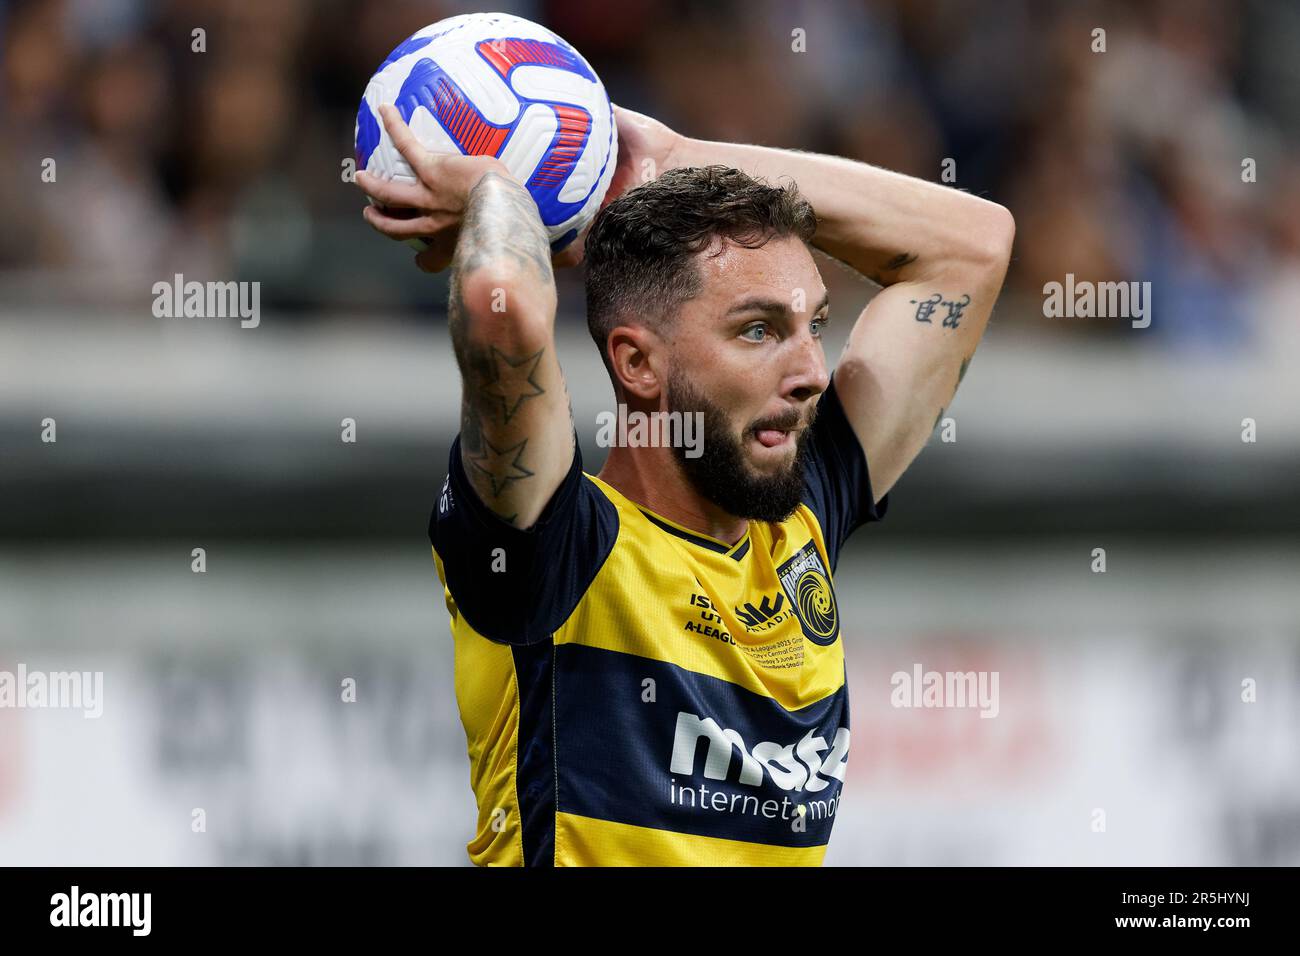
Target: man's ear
<point x="630" y="349"/>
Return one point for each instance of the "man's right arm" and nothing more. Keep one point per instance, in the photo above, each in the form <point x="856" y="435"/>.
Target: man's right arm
<point x="516" y="425"/>
<point x="516" y="442"/>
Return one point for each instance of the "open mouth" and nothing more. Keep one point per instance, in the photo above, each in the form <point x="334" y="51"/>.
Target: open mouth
<point x="773" y="437"/>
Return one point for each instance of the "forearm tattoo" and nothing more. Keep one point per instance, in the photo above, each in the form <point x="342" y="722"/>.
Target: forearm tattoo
<point x="501" y="222"/>
<point x="501" y="225"/>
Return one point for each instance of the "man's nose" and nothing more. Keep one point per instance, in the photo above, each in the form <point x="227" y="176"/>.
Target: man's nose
<point x="810" y="376"/>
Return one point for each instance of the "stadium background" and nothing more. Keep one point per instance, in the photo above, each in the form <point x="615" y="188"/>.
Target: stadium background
<point x="1119" y="691"/>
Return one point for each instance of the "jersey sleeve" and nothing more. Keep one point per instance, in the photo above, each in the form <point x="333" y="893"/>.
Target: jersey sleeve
<point x="837" y="485"/>
<point x="517" y="586"/>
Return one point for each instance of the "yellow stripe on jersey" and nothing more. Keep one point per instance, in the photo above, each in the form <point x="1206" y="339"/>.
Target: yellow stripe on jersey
<point x="590" y="842"/>
<point x="491" y="722"/>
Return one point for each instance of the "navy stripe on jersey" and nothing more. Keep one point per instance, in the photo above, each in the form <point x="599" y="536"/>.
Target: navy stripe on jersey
<point x="535" y="766"/>
<point x="548" y="567"/>
<point x="837" y="486"/>
<point x="704" y="756"/>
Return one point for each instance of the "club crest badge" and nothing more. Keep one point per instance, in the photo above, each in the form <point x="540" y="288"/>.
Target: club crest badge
<point x="808" y="586"/>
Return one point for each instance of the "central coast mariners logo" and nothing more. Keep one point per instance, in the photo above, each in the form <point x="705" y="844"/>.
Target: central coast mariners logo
<point x="808" y="586"/>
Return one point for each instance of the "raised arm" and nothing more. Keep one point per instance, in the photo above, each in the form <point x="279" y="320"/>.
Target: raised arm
<point x="516" y="426"/>
<point x="941" y="255"/>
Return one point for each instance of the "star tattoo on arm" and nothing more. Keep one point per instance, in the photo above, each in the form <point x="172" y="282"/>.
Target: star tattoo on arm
<point x="499" y="466"/>
<point x="512" y="381"/>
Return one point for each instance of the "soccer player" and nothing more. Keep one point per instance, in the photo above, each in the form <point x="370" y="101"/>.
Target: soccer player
<point x="648" y="660"/>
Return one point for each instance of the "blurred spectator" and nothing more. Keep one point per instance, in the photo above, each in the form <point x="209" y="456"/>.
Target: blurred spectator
<point x="1119" y="165"/>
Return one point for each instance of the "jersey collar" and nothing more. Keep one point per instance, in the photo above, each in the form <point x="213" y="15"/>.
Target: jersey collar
<point x="736" y="552"/>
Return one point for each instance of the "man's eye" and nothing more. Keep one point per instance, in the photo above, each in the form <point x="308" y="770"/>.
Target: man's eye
<point x="761" y="331"/>
<point x="817" y="325"/>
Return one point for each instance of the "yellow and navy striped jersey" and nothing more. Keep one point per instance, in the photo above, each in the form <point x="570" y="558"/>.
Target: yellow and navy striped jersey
<point x="636" y="693"/>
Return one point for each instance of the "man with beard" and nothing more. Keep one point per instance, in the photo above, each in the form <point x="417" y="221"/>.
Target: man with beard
<point x="648" y="663"/>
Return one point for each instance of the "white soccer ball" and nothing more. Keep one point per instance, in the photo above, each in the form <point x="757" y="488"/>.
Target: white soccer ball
<point x="499" y="85"/>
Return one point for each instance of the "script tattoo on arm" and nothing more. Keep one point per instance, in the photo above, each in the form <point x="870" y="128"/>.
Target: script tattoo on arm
<point x="955" y="309"/>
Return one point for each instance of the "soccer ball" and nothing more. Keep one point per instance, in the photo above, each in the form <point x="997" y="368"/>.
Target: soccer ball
<point x="491" y="84"/>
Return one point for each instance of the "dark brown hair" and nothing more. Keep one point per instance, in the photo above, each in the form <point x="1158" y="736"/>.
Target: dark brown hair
<point x="640" y="253"/>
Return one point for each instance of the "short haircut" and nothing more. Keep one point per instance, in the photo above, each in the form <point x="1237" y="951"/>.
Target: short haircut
<point x="641" y="250"/>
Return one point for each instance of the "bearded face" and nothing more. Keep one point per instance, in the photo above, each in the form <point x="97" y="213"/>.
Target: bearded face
<point x="726" y="473"/>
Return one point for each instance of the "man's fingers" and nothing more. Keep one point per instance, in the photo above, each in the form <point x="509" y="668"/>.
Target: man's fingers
<point x="411" y="149"/>
<point x="397" y="228"/>
<point x="390" y="193"/>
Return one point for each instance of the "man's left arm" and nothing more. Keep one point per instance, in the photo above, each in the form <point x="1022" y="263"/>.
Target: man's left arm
<point x="941" y="256"/>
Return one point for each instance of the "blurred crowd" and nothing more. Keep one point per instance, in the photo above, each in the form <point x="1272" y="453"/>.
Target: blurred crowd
<point x="221" y="154"/>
